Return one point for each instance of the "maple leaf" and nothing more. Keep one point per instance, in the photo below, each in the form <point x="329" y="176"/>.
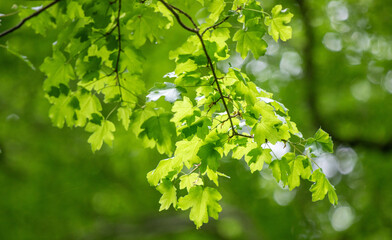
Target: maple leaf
<point x="276" y="23"/>
<point x="203" y="203"/>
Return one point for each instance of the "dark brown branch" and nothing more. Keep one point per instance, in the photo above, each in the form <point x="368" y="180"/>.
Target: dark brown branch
<point x="28" y="18"/>
<point x="243" y="135"/>
<point x="119" y="48"/>
<point x="219" y="23"/>
<point x="216" y="81"/>
<point x="215" y="25"/>
<point x="209" y="61"/>
<point x="172" y="10"/>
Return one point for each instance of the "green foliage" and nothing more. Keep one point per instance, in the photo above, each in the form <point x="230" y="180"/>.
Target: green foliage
<point x="205" y="114"/>
<point x="276" y="23"/>
<point x="321" y="187"/>
<point x="203" y="203"/>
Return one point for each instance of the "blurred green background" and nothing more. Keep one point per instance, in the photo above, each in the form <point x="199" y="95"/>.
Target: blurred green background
<point x="336" y="73"/>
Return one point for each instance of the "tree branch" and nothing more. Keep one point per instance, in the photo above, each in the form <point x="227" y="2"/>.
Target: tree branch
<point x="119" y="48"/>
<point x="215" y="25"/>
<point x="209" y="61"/>
<point x="28" y="18"/>
<point x="219" y="23"/>
<point x="172" y="9"/>
<point x="216" y="81"/>
<point x="186" y="15"/>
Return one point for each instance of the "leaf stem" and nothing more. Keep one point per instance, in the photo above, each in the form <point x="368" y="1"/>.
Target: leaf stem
<point x="259" y="11"/>
<point x="8" y="14"/>
<point x="219" y="23"/>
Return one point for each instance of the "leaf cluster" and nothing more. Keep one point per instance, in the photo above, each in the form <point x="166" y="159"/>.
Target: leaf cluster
<point x="96" y="73"/>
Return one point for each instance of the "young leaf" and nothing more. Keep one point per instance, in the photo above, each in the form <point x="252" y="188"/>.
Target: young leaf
<point x="299" y="166"/>
<point x="321" y="139"/>
<point x="161" y="130"/>
<point x="182" y="109"/>
<point x="168" y="90"/>
<point x="257" y="157"/>
<point x="57" y="69"/>
<point x="209" y="157"/>
<point x="203" y="203"/>
<point x="169" y="194"/>
<point x="187" y="151"/>
<point x="276" y="23"/>
<point x="123" y="114"/>
<point x="101" y="133"/>
<point x="321" y="187"/>
<point x="266" y="130"/>
<point x="167" y="167"/>
<point x="281" y="170"/>
<point x="250" y="40"/>
<point x="62" y="111"/>
<point x="190" y="180"/>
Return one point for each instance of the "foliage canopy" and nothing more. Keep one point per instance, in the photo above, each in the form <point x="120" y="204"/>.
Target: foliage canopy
<point x="95" y="81"/>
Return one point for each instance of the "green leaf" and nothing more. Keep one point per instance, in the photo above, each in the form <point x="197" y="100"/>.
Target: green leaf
<point x="241" y="151"/>
<point x="187" y="151"/>
<point x="200" y="127"/>
<point x="299" y="166"/>
<point x="321" y="187"/>
<point x="161" y="130"/>
<point x="101" y="133"/>
<point x="62" y="111"/>
<point x="166" y="168"/>
<point x="131" y="85"/>
<point x="215" y="7"/>
<point x="257" y="157"/>
<point x="266" y="130"/>
<point x="276" y="23"/>
<point x="123" y="114"/>
<point x="146" y="25"/>
<point x="280" y="170"/>
<point x="203" y="203"/>
<point x="321" y="139"/>
<point x="169" y="194"/>
<point x="89" y="104"/>
<point x="250" y="40"/>
<point x="190" y="180"/>
<point x="182" y="109"/>
<point x="168" y="90"/>
<point x="209" y="157"/>
<point x="57" y="70"/>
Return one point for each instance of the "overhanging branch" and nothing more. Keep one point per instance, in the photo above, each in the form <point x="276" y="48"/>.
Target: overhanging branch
<point x="6" y="32"/>
<point x="209" y="61"/>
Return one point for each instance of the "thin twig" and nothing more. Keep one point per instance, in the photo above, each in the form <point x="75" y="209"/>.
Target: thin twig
<point x="172" y="10"/>
<point x="28" y="18"/>
<point x="196" y="167"/>
<point x="186" y="15"/>
<point x="271" y="150"/>
<point x="219" y="23"/>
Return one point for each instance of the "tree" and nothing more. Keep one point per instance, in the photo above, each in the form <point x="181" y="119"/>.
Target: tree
<point x="96" y="71"/>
